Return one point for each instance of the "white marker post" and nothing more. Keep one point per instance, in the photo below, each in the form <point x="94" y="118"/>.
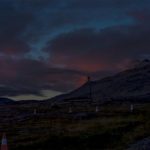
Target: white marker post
<point x="97" y="109"/>
<point x="4" y="143"/>
<point x="34" y="112"/>
<point x="70" y="110"/>
<point x="131" y="108"/>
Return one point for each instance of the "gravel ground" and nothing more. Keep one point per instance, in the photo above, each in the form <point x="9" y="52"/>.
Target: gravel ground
<point x="141" y="145"/>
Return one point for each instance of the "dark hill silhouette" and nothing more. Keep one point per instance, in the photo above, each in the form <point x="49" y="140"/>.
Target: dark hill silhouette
<point x="6" y="101"/>
<point x="131" y="84"/>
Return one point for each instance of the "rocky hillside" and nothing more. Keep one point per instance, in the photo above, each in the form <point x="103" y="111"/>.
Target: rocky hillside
<point x="133" y="84"/>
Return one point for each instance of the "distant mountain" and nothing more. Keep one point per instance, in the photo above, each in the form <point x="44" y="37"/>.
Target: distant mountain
<point x="131" y="84"/>
<point x="30" y="102"/>
<point x="6" y="101"/>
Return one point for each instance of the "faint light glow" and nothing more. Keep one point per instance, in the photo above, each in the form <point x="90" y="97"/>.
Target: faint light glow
<point x="46" y="95"/>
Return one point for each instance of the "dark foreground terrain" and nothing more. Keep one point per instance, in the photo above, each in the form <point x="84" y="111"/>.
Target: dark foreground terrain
<point x="114" y="127"/>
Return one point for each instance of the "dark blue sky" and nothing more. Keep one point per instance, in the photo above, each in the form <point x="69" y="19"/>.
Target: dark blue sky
<point x="54" y="44"/>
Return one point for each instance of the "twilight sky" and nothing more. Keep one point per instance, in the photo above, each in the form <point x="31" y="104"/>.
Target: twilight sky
<point x="50" y="46"/>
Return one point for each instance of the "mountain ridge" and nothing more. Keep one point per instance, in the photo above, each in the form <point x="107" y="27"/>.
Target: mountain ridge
<point x="133" y="83"/>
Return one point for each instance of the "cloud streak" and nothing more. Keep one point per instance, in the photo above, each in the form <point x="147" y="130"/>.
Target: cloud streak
<point x="54" y="45"/>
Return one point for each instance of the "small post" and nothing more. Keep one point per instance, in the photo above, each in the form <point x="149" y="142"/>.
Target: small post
<point x="131" y="108"/>
<point x="70" y="110"/>
<point x="35" y="112"/>
<point x="90" y="87"/>
<point x="97" y="109"/>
